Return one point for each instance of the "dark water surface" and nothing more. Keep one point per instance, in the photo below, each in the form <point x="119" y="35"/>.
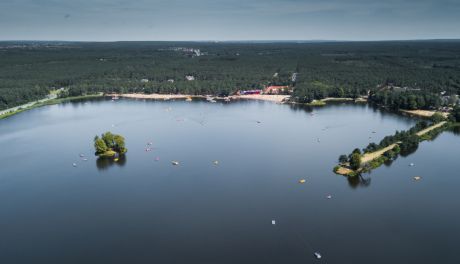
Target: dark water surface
<point x="139" y="210"/>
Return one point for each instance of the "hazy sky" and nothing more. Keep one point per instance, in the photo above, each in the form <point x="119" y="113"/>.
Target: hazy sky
<point x="228" y="19"/>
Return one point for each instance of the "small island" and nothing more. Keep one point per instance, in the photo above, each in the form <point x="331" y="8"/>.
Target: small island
<point x="109" y="145"/>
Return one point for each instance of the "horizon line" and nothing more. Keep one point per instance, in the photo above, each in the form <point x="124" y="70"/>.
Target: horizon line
<point x="236" y="40"/>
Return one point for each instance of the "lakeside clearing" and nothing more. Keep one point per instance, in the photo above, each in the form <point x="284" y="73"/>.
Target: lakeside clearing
<point x="424" y="113"/>
<point x="376" y="154"/>
<point x="428" y="129"/>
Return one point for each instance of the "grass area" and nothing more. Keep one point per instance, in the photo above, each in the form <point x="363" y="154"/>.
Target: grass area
<point x="50" y="102"/>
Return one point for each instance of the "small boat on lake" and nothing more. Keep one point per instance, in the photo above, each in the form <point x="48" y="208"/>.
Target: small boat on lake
<point x="317" y="255"/>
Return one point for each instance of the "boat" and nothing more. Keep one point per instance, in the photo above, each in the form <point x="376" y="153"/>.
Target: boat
<point x="216" y="162"/>
<point x="329" y="196"/>
<point x="302" y="181"/>
<point x="273" y="222"/>
<point x="82" y="155"/>
<point x="189" y="99"/>
<point x="115" y="97"/>
<point x="74" y="164"/>
<point x="175" y="162"/>
<point x="412" y="164"/>
<point x="317" y="255"/>
<point x="417" y="178"/>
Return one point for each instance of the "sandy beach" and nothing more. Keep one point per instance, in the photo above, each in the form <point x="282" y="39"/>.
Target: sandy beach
<point x="423" y="113"/>
<point x="264" y="97"/>
<point x="154" y="96"/>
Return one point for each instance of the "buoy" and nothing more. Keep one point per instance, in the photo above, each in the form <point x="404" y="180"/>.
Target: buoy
<point x="302" y="181"/>
<point x="329" y="196"/>
<point x="412" y="164"/>
<point x="216" y="162"/>
<point x="82" y="155"/>
<point x="74" y="164"/>
<point x="115" y="159"/>
<point x="273" y="222"/>
<point x="317" y="255"/>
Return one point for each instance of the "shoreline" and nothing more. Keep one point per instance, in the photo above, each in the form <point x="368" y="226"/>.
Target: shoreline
<point x="156" y="96"/>
<point x="54" y="101"/>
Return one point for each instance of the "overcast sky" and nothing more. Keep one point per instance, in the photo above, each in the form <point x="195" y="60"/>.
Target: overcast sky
<point x="110" y="20"/>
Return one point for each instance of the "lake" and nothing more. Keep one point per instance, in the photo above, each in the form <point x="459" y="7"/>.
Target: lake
<point x="143" y="210"/>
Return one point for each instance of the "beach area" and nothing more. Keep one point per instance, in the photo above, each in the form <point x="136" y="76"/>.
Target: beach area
<point x="263" y="97"/>
<point x="423" y="113"/>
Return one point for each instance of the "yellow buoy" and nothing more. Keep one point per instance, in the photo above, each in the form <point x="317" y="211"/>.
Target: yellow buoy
<point x="115" y="159"/>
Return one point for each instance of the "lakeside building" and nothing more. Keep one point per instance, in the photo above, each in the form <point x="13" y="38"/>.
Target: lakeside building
<point x="273" y="89"/>
<point x="247" y="92"/>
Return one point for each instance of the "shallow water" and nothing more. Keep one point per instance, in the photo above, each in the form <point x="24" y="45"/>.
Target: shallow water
<point x="139" y="210"/>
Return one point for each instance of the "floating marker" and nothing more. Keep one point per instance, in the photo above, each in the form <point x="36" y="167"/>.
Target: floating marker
<point x="317" y="255"/>
<point x="273" y="222"/>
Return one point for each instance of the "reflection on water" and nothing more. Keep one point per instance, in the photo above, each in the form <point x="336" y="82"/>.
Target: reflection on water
<point x="103" y="163"/>
<point x="359" y="181"/>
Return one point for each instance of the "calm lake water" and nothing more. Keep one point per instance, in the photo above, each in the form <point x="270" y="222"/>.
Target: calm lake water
<point x="140" y="210"/>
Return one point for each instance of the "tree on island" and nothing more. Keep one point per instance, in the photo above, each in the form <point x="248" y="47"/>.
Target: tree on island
<point x="109" y="145"/>
<point x="355" y="161"/>
<point x="343" y="158"/>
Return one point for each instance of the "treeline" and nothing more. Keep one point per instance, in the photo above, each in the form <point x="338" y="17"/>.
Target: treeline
<point x="321" y="69"/>
<point x="406" y="99"/>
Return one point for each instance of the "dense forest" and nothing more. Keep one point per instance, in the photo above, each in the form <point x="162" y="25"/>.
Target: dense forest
<point x="29" y="70"/>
